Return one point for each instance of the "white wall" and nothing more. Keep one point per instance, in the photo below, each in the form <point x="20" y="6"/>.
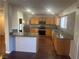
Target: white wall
<point x="6" y="27"/>
<point x="13" y="17"/>
<point x="77" y="32"/>
<point x="26" y="44"/>
<point x="11" y="22"/>
<point x="74" y="43"/>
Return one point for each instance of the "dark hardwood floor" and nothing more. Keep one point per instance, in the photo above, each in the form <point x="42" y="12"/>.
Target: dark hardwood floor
<point x="20" y="55"/>
<point x="45" y="50"/>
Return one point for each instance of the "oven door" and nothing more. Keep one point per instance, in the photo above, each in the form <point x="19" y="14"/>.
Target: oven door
<point x="42" y="32"/>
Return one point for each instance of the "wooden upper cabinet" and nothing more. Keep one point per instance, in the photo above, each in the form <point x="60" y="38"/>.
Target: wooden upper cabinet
<point x="51" y="20"/>
<point x="34" y="20"/>
<point x="48" y="20"/>
<point x="57" y="20"/>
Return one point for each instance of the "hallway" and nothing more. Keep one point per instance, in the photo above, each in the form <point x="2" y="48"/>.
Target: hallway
<point x="45" y="50"/>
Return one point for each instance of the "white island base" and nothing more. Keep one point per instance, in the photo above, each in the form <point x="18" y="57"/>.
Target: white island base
<point x="25" y="44"/>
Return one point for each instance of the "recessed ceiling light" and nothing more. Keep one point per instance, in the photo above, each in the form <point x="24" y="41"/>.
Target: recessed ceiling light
<point x="50" y="11"/>
<point x="28" y="10"/>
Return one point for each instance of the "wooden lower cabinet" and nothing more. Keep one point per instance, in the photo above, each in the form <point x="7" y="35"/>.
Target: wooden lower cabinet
<point x="62" y="47"/>
<point x="2" y="44"/>
<point x="34" y="31"/>
<point x="48" y="32"/>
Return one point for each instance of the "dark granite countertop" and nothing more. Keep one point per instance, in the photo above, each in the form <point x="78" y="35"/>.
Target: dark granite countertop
<point x="58" y="33"/>
<point x="28" y="34"/>
<point x="24" y="35"/>
<point x="46" y="26"/>
<point x="62" y="35"/>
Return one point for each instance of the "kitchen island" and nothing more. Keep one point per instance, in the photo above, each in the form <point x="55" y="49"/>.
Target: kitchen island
<point x="23" y="43"/>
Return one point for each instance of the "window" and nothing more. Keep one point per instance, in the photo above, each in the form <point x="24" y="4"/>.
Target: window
<point x="63" y="23"/>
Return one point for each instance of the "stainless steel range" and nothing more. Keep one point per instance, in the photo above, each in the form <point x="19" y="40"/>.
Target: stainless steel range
<point x="42" y="28"/>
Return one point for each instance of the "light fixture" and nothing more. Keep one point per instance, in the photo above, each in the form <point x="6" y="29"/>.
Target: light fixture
<point x="28" y="10"/>
<point x="49" y="11"/>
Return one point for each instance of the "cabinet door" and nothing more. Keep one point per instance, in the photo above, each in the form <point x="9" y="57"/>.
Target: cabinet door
<point x="48" y="32"/>
<point x="62" y="47"/>
<point x="34" y="31"/>
<point x="35" y="20"/>
<point x="2" y="45"/>
<point x="50" y="20"/>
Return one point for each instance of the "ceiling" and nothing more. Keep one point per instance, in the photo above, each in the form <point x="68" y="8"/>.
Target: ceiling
<point x="39" y="6"/>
